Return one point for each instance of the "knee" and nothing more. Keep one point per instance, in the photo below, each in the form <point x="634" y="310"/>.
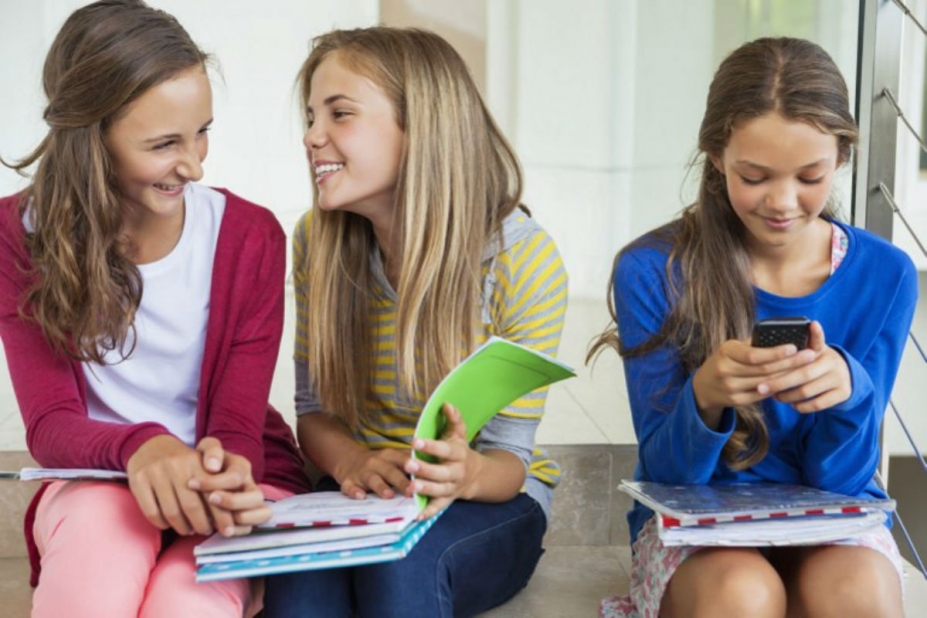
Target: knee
<point x="172" y="591"/>
<point x="863" y="592"/>
<point x="725" y="582"/>
<point x="743" y="592"/>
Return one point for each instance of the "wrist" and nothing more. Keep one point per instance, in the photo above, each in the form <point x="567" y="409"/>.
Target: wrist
<point x="351" y="456"/>
<point x="709" y="411"/>
<point x="474" y="468"/>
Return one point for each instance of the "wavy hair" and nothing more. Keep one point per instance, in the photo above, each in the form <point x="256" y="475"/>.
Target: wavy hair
<point x="458" y="179"/>
<point x="86" y="290"/>
<point x="708" y="268"/>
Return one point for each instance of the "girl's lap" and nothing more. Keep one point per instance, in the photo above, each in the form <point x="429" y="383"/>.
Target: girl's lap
<point x="654" y="564"/>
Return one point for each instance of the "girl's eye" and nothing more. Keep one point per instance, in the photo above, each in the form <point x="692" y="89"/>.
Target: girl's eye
<point x="204" y="130"/>
<point x="751" y="181"/>
<point x="811" y="181"/>
<point x="337" y="114"/>
<point x="164" y="145"/>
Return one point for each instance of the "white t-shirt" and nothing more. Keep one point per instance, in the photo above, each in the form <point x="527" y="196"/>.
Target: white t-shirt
<point x="160" y="381"/>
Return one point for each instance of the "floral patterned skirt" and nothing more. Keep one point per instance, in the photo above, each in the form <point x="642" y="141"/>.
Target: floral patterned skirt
<point x="653" y="564"/>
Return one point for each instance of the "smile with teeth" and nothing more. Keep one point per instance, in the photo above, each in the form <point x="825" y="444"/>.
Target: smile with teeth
<point x="168" y="188"/>
<point x="321" y="171"/>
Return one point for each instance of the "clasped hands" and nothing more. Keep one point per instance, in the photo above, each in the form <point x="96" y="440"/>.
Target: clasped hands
<point x="737" y="373"/>
<point x="195" y="491"/>
<point x="387" y="471"/>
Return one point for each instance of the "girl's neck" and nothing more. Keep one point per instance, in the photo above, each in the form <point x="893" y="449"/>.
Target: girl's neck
<point x="153" y="238"/>
<point x="797" y="269"/>
<point x="389" y="251"/>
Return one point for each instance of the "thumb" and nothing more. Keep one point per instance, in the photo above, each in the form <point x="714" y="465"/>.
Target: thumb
<point x="212" y="453"/>
<point x="816" y="337"/>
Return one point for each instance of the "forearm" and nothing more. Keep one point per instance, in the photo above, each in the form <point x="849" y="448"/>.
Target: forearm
<point x="497" y="476"/>
<point x="675" y="444"/>
<point x="327" y="443"/>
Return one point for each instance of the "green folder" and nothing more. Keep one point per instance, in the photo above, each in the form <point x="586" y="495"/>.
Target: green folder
<point x="495" y="375"/>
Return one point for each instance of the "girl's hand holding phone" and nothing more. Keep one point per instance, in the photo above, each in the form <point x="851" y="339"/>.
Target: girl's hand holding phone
<point x="458" y="465"/>
<point x="738" y="373"/>
<point x="818" y="385"/>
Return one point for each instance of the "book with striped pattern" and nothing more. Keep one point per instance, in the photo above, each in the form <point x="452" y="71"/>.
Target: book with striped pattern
<point x="695" y="505"/>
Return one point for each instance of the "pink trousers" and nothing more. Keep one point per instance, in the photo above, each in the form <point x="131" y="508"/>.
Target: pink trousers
<point x="101" y="557"/>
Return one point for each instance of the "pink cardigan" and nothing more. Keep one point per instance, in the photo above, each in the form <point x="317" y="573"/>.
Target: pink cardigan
<point x="242" y="341"/>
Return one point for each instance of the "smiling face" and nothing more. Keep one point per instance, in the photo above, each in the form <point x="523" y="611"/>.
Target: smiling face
<point x="353" y="141"/>
<point x="158" y="145"/>
<point x="779" y="174"/>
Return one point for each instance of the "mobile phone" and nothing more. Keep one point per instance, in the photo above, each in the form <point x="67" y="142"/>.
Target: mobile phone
<point x="780" y="331"/>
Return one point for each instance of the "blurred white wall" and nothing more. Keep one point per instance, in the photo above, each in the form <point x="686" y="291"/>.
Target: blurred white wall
<point x="601" y="98"/>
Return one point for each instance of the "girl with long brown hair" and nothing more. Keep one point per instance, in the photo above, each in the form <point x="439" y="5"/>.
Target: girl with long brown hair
<point x="762" y="241"/>
<point x="416" y="250"/>
<point x="141" y="315"/>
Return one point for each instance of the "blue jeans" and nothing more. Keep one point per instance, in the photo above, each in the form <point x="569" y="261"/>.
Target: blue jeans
<point x="476" y="556"/>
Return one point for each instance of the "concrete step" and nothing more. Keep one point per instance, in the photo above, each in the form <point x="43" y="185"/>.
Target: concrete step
<point x="569" y="583"/>
<point x="586" y="557"/>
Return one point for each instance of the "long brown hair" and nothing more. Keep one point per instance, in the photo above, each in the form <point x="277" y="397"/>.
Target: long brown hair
<point x="86" y="291"/>
<point x="708" y="269"/>
<point x="458" y="180"/>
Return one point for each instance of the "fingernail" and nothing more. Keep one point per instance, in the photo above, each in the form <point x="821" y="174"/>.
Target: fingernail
<point x="412" y="466"/>
<point x="193" y="484"/>
<point x="418" y="443"/>
<point x="215" y="498"/>
<point x="762" y="389"/>
<point x="230" y="531"/>
<point x="213" y="464"/>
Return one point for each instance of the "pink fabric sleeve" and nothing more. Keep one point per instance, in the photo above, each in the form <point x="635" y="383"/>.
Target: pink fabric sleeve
<point x="50" y="388"/>
<point x="244" y="338"/>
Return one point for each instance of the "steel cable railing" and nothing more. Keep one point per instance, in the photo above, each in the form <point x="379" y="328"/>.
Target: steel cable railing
<point x="890" y="199"/>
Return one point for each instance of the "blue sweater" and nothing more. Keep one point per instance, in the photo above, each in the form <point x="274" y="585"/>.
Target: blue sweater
<point x="865" y="307"/>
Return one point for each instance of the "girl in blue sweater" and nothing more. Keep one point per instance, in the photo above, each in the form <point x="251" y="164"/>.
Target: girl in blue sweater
<point x="762" y="241"/>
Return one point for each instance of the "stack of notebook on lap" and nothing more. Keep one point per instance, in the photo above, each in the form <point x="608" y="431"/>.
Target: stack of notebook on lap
<point x="326" y="529"/>
<point x="756" y="514"/>
<point x="316" y="531"/>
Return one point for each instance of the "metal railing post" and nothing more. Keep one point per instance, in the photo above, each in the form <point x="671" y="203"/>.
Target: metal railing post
<point x="878" y="68"/>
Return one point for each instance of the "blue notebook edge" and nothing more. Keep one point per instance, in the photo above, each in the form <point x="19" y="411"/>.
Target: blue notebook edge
<point x="311" y="561"/>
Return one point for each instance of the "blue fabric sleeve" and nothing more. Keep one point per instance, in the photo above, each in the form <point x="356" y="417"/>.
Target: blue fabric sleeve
<point x="841" y="444"/>
<point x="675" y="445"/>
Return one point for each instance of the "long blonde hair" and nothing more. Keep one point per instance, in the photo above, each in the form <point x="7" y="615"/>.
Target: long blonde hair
<point x="86" y="291"/>
<point x="458" y="179"/>
<point x="708" y="267"/>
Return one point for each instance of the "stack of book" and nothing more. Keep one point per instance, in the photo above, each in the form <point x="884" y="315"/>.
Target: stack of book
<point x="756" y="514"/>
<point x="326" y="529"/>
<point x="316" y="531"/>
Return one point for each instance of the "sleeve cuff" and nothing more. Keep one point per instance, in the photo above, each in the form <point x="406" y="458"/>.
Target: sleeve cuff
<point x="860" y="383"/>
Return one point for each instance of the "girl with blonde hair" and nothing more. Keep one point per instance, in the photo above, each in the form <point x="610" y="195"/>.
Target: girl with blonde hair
<point x="416" y="251"/>
<point x="762" y="241"/>
<point x="141" y="316"/>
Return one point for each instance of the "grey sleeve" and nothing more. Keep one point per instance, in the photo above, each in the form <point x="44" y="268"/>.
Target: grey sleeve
<point x="306" y="399"/>
<point x="506" y="433"/>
